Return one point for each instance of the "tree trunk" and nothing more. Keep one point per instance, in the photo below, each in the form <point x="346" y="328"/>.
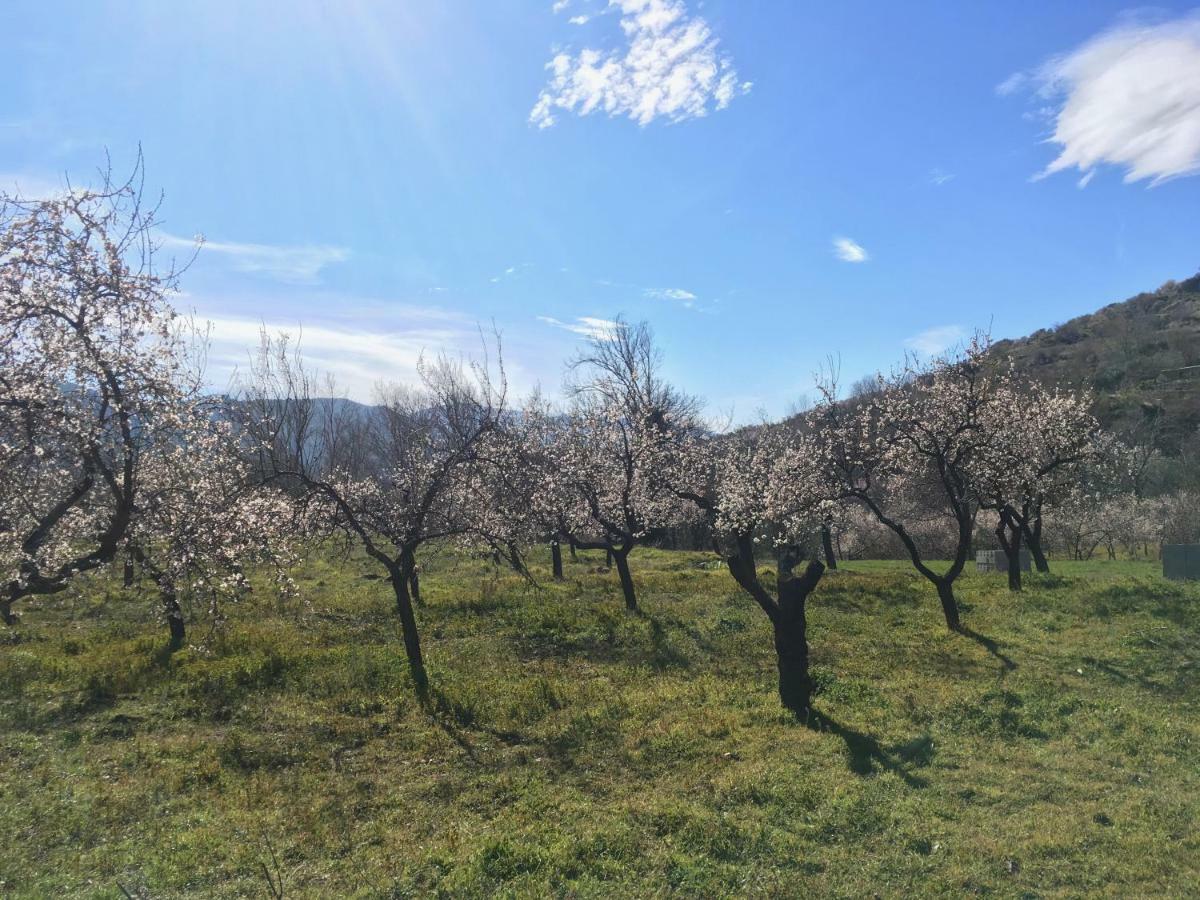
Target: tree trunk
<point x="608" y="557"/>
<point x="556" y="560"/>
<point x="827" y="544"/>
<point x="791" y="652"/>
<point x="945" y="591"/>
<point x="127" y="574"/>
<point x="408" y="628"/>
<point x="1008" y="531"/>
<point x="1033" y="537"/>
<point x="414" y="587"/>
<point x="6" y="612"/>
<point x="621" y="557"/>
<point x="1039" y="555"/>
<point x="175" y="623"/>
<point x="791" y="638"/>
<point x="514" y="559"/>
<point x="574" y="552"/>
<point x="1014" y="560"/>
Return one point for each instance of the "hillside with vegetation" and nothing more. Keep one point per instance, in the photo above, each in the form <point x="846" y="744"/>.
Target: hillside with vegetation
<point x="1141" y="356"/>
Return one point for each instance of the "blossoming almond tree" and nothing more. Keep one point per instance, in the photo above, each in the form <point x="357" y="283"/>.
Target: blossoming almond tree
<point x="200" y="522"/>
<point x="1045" y="440"/>
<point x="518" y="486"/>
<point x="912" y="451"/>
<point x="391" y="478"/>
<point x="94" y="381"/>
<point x="762" y="488"/>
<point x="607" y="451"/>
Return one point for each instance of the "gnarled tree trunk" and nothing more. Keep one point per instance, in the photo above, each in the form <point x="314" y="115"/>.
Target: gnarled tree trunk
<point x="787" y="614"/>
<point x="791" y="637"/>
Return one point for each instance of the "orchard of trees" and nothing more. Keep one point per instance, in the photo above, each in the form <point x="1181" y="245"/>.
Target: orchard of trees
<point x="115" y="458"/>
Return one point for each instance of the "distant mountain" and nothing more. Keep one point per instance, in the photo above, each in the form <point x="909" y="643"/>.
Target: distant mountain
<point x="1141" y="356"/>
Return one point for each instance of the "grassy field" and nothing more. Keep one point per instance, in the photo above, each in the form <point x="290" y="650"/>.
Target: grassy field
<point x="573" y="749"/>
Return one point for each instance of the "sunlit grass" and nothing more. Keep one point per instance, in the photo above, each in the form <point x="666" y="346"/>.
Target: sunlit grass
<point x="571" y="748"/>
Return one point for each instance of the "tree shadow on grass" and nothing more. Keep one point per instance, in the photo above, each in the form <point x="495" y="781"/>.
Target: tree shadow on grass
<point x="610" y="646"/>
<point x="869" y="598"/>
<point x="1179" y="674"/>
<point x="702" y="641"/>
<point x="867" y="756"/>
<point x="450" y="716"/>
<point x="663" y="655"/>
<point x="459" y="723"/>
<point x="992" y="646"/>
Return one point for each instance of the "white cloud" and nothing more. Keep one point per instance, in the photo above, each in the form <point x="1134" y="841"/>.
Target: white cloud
<point x="588" y="326"/>
<point x="939" y="177"/>
<point x="579" y="20"/>
<point x="559" y="6"/>
<point x="849" y="251"/>
<point x="1013" y="83"/>
<point x="687" y="298"/>
<point x="297" y="265"/>
<point x="670" y="68"/>
<point x="30" y="186"/>
<point x="935" y="340"/>
<point x="360" y="352"/>
<point x="1129" y="97"/>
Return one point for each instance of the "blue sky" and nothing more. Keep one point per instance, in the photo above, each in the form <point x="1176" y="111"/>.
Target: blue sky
<point x="767" y="183"/>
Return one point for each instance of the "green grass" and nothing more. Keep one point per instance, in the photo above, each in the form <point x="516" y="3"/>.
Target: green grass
<point x="577" y="750"/>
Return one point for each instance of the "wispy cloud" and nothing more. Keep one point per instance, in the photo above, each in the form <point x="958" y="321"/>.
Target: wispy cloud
<point x="30" y="186"/>
<point x="1129" y="97"/>
<point x="1013" y="83"/>
<point x="670" y="67"/>
<point x="296" y="265"/>
<point x="579" y="20"/>
<point x="849" y="251"/>
<point x="938" y="177"/>
<point x="510" y="272"/>
<point x="687" y="298"/>
<point x="588" y="326"/>
<point x="934" y="340"/>
<point x="361" y="350"/>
